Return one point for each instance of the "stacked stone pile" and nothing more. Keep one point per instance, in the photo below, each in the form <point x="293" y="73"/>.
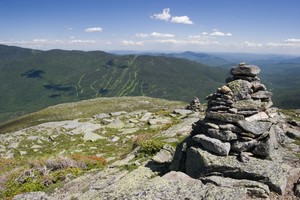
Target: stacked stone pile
<point x="195" y="105"/>
<point x="239" y="117"/>
<point x="239" y="138"/>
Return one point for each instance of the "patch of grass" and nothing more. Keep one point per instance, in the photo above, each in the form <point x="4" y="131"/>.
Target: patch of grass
<point x="47" y="174"/>
<point x="129" y="167"/>
<point x="92" y="162"/>
<point x="291" y="114"/>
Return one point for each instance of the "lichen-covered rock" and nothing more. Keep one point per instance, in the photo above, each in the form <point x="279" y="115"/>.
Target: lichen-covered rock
<point x="254" y="188"/>
<point x="241" y="89"/>
<point x="32" y="196"/>
<point x="200" y="163"/>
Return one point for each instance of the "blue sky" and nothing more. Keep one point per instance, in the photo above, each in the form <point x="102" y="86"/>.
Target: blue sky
<point x="256" y="26"/>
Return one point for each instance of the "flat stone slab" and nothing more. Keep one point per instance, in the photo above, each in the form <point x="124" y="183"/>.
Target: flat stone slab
<point x="223" y="135"/>
<point x="200" y="163"/>
<point x="117" y="124"/>
<point x="90" y="136"/>
<point x="248" y="104"/>
<point x="262" y="95"/>
<point x="115" y="114"/>
<point x="257" y="117"/>
<point x="255" y="127"/>
<point x="245" y="70"/>
<point x="101" y="116"/>
<point x="182" y="111"/>
<point x="214" y="145"/>
<point x="225" y="117"/>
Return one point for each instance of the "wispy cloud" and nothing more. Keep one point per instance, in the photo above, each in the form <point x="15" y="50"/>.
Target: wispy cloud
<point x="191" y="40"/>
<point x="132" y="43"/>
<point x="93" y="29"/>
<point x="154" y="34"/>
<point x="252" y="44"/>
<point x="167" y="35"/>
<point x="166" y="16"/>
<point x="82" y="41"/>
<point x="141" y="35"/>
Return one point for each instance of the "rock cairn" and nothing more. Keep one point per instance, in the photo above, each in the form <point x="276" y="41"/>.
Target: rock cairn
<point x="239" y="138"/>
<point x="239" y="116"/>
<point x="195" y="105"/>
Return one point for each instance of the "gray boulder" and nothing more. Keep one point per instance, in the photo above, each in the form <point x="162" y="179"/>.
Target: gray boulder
<point x="165" y="155"/>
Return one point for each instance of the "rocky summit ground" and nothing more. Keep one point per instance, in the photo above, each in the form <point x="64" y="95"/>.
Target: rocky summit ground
<point x="122" y="151"/>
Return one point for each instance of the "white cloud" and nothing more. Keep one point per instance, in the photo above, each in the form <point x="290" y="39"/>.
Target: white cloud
<point x="252" y="44"/>
<point x="165" y="35"/>
<point x="191" y="40"/>
<point x="204" y="33"/>
<point x="82" y="41"/>
<point x="219" y="33"/>
<point x="292" y="40"/>
<point x="169" y="41"/>
<point x="181" y="20"/>
<point x="132" y="43"/>
<point x="93" y="29"/>
<point x="40" y="40"/>
<point x="165" y="15"/>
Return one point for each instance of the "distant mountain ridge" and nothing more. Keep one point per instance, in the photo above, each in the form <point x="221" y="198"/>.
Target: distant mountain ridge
<point x="34" y="79"/>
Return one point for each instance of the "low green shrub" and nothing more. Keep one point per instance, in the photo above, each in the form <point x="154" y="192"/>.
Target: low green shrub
<point x="151" y="147"/>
